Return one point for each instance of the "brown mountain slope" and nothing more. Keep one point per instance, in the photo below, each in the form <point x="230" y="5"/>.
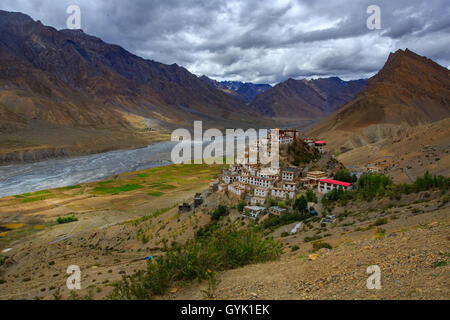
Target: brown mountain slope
<point x="68" y="79"/>
<point x="410" y="90"/>
<point x="306" y="98"/>
<point x="79" y="67"/>
<point x="403" y="108"/>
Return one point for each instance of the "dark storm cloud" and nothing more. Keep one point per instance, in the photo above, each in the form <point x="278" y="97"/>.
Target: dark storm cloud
<point x="260" y="41"/>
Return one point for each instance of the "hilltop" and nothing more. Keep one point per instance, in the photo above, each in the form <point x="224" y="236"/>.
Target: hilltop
<point x="403" y="108"/>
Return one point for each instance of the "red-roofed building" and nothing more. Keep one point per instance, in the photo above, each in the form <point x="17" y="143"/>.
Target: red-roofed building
<point x="320" y="145"/>
<point x="326" y="185"/>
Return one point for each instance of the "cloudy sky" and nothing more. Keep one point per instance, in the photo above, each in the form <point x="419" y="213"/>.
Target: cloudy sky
<point x="259" y="41"/>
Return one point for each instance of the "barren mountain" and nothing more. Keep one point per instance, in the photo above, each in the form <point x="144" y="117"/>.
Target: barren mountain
<point x="68" y="79"/>
<point x="306" y="98"/>
<point x="403" y="99"/>
<point x="71" y="65"/>
<point x="409" y="90"/>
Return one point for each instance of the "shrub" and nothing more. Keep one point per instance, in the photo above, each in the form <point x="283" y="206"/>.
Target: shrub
<point x="370" y="186"/>
<point x="380" y="222"/>
<point x="219" y="212"/>
<point x="62" y="220"/>
<point x="241" y="206"/>
<point x="344" y="175"/>
<point x="295" y="248"/>
<point x="319" y="245"/>
<point x="440" y="263"/>
<point x="216" y="249"/>
<point x="313" y="238"/>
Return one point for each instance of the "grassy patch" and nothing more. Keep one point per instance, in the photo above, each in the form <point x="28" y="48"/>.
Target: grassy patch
<point x="41" y="192"/>
<point x="117" y="190"/>
<point x="166" y="187"/>
<point x="440" y="263"/>
<point x="70" y="188"/>
<point x="155" y="193"/>
<point x="33" y="199"/>
<point x="143" y="175"/>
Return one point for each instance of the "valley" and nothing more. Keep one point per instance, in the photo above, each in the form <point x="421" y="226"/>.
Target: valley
<point x="123" y="220"/>
<point x="87" y="179"/>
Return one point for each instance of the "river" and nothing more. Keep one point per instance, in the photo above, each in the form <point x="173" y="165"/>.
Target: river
<point x="23" y="178"/>
<point x="30" y="177"/>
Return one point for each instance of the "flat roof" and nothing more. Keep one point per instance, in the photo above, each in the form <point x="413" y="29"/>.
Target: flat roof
<point x="278" y="208"/>
<point x="255" y="208"/>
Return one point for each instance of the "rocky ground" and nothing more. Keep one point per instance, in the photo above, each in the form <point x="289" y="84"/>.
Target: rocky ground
<point x="412" y="256"/>
<point x="407" y="238"/>
<point x="407" y="154"/>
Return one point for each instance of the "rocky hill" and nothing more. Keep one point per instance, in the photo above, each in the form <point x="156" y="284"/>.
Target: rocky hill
<point x="403" y="108"/>
<point x="409" y="90"/>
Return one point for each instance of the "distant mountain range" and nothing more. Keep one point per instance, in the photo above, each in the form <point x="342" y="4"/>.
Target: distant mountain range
<point x="306" y="98"/>
<point x="245" y="91"/>
<point x="309" y="99"/>
<point x="54" y="80"/>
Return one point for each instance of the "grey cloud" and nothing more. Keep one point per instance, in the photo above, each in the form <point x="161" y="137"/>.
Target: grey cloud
<point x="259" y="41"/>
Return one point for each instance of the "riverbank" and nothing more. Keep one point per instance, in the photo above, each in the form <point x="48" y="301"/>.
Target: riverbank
<point x="50" y="174"/>
<point x="40" y="144"/>
<point x="121" y="196"/>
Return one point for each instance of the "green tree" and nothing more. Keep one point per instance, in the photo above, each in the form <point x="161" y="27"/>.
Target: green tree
<point x="219" y="212"/>
<point x="241" y="206"/>
<point x="346" y="176"/>
<point x="311" y="196"/>
<point x="301" y="204"/>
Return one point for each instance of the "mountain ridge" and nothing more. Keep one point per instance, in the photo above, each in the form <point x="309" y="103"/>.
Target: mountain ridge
<point x="107" y="73"/>
<point x="306" y="98"/>
<point x="402" y="109"/>
<point x="245" y="91"/>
